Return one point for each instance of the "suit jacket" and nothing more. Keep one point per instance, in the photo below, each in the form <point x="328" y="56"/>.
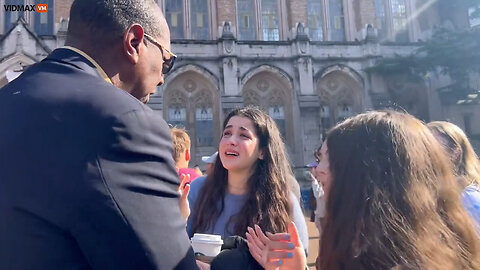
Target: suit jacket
<point x="87" y="179"/>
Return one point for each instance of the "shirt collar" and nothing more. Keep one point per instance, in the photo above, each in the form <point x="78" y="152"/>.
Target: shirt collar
<point x="97" y="66"/>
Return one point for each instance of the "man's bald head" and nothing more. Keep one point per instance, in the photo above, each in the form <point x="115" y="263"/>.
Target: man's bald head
<point x="106" y="21"/>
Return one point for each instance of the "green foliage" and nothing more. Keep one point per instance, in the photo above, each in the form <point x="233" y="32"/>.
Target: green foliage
<point x="454" y="53"/>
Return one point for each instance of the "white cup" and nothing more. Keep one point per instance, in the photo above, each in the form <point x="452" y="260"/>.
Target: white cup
<point x="207" y="244"/>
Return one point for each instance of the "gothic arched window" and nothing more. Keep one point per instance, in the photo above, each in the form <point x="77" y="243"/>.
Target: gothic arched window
<point x="340" y="98"/>
<point x="268" y="92"/>
<point x="189" y="19"/>
<point x="392" y="19"/>
<point x="12" y="16"/>
<point x="191" y="101"/>
<point x="259" y="19"/>
<point x="326" y="20"/>
<point x="337" y="20"/>
<point x="177" y="115"/>
<point x="43" y="24"/>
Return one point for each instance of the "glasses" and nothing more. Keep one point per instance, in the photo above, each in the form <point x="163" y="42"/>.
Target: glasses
<point x="167" y="63"/>
<point x="317" y="155"/>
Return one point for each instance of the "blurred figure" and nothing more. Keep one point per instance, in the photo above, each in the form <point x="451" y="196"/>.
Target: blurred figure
<point x="392" y="200"/>
<point x="181" y="153"/>
<point x="295" y="187"/>
<point x="465" y="161"/>
<point x="209" y="162"/>
<point x="318" y="195"/>
<point x="249" y="184"/>
<point x="197" y="169"/>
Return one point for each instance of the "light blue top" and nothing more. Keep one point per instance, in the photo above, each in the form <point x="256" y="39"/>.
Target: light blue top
<point x="471" y="201"/>
<point x="233" y="205"/>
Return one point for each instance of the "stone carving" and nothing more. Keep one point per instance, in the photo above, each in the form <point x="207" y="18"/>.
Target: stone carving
<point x="263" y="85"/>
<point x="276" y="97"/>
<point x="189" y="85"/>
<point x="203" y="98"/>
<point x="251" y="97"/>
<point x="302" y="38"/>
<point x="227" y="30"/>
<point x="227" y="37"/>
<point x="339" y="95"/>
<point x="175" y="96"/>
<point x="371" y="34"/>
<point x="301" y="34"/>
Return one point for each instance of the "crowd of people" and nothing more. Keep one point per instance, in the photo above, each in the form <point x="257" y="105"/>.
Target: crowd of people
<point x="92" y="178"/>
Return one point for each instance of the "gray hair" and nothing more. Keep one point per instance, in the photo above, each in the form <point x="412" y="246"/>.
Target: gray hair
<point x="108" y="19"/>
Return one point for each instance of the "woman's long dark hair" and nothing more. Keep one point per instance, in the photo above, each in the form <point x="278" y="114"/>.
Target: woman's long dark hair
<point x="268" y="194"/>
<point x="393" y="201"/>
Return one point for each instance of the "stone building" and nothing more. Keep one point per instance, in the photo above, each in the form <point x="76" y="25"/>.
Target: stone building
<point x="303" y="61"/>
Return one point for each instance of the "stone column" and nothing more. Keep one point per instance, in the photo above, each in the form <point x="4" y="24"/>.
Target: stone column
<point x="304" y="61"/>
<point x="229" y="60"/>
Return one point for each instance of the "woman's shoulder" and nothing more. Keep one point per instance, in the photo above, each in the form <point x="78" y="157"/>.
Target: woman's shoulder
<point x="198" y="182"/>
<point x="472" y="192"/>
<point x="195" y="187"/>
<point x="471" y="201"/>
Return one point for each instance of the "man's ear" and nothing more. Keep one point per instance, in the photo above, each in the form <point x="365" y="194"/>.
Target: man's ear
<point x="133" y="42"/>
<point x="187" y="154"/>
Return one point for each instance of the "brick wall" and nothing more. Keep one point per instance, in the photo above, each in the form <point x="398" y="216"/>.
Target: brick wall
<point x="367" y="11"/>
<point x="62" y="9"/>
<point x="226" y="10"/>
<point x="296" y="12"/>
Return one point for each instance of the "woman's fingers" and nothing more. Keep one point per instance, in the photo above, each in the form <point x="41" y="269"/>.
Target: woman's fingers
<point x="277" y="251"/>
<point x="184" y="179"/>
<point x="254" y="248"/>
<point x="275" y="255"/>
<point x="295" y="238"/>
<point x="256" y="238"/>
<point x="185" y="191"/>
<point x="261" y="235"/>
<point x="255" y="251"/>
<point x="202" y="265"/>
<point x="280" y="245"/>
<point x="279" y="236"/>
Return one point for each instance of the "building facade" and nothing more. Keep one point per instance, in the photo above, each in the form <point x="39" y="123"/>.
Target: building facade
<point x="302" y="61"/>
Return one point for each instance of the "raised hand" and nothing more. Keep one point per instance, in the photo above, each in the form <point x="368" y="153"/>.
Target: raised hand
<point x="277" y="251"/>
<point x="184" y="189"/>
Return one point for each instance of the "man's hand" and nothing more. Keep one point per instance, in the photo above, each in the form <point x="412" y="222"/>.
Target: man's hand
<point x="277" y="251"/>
<point x="184" y="189"/>
<point x="202" y="265"/>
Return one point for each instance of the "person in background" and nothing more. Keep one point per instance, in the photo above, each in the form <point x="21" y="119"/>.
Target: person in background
<point x="197" y="169"/>
<point x="249" y="183"/>
<point x="318" y="195"/>
<point x="181" y="153"/>
<point x="294" y="187"/>
<point x="465" y="162"/>
<point x="209" y="162"/>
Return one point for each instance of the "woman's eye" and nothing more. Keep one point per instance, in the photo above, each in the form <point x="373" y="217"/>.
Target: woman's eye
<point x="226" y="133"/>
<point x="245" y="136"/>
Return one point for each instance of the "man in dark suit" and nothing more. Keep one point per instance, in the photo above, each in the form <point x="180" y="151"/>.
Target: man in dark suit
<point x="87" y="179"/>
